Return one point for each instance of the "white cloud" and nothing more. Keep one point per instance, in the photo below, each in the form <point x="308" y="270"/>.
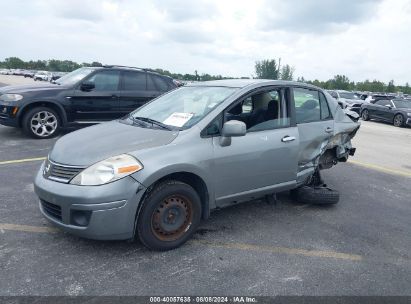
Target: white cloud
<point x="320" y="38"/>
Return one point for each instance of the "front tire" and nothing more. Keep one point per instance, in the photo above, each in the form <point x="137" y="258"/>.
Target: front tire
<point x="169" y="216"/>
<point x="398" y="120"/>
<point x="41" y="123"/>
<point x="365" y="115"/>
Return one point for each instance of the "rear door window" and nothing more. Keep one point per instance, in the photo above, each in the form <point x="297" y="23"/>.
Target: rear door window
<point x="160" y="83"/>
<point x="134" y="81"/>
<point x="310" y="105"/>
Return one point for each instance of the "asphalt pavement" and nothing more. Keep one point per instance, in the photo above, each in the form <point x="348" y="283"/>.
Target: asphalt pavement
<point x="361" y="246"/>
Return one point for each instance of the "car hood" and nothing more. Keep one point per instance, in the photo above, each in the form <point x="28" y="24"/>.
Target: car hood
<point x="90" y="145"/>
<point x="21" y="89"/>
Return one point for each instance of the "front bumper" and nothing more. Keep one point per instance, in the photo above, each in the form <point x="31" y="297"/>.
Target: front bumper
<point x="6" y="116"/>
<point x="107" y="211"/>
<point x="355" y="109"/>
<point x="408" y="122"/>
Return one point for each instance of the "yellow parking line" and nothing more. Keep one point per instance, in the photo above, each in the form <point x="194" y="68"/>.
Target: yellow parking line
<point x="273" y="249"/>
<point x="25" y="228"/>
<point x="17" y="161"/>
<point x="238" y="246"/>
<point x="380" y="168"/>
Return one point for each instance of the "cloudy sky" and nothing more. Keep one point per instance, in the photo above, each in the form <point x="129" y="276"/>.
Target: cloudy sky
<point x="363" y="39"/>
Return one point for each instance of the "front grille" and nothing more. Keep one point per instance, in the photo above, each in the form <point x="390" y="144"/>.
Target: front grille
<point x="60" y="173"/>
<point x="52" y="209"/>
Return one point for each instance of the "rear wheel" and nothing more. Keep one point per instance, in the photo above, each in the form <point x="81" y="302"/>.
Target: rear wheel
<point x="398" y="120"/>
<point x="365" y="115"/>
<point x="41" y="122"/>
<point x="169" y="216"/>
<point x="316" y="195"/>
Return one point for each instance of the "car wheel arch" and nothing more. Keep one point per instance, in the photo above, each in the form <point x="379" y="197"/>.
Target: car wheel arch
<point x="190" y="178"/>
<point x="53" y="105"/>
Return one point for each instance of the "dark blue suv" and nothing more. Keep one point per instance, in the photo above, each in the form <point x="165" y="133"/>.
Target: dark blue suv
<point x="85" y="96"/>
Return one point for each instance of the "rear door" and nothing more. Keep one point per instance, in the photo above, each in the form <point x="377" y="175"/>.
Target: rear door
<point x="135" y="91"/>
<point x="315" y="126"/>
<point x="100" y="103"/>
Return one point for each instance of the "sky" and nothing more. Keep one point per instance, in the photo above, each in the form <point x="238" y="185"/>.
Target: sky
<point x="362" y="39"/>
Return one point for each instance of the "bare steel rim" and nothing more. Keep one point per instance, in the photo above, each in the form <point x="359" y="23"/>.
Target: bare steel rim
<point x="398" y="120"/>
<point x="43" y="123"/>
<point x="172" y="218"/>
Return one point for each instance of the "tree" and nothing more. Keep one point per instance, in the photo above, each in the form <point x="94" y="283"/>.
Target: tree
<point x="287" y="72"/>
<point x="339" y="82"/>
<point x="391" y="87"/>
<point x="267" y="69"/>
<point x="14" y="63"/>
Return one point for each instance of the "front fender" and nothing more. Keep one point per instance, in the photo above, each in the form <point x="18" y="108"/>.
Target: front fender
<point x="33" y="103"/>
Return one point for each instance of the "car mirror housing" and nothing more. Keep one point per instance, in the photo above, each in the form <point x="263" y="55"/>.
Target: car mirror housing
<point x="232" y="128"/>
<point x="87" y="86"/>
<point x="388" y="106"/>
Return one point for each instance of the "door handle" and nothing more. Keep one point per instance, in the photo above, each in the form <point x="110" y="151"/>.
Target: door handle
<point x="287" y="138"/>
<point x="115" y="96"/>
<point x="329" y="130"/>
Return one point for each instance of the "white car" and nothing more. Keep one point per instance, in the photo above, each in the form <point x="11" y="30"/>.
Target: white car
<point x="42" y="75"/>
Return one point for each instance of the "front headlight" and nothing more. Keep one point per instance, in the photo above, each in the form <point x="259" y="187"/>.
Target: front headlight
<point x="107" y="171"/>
<point x="409" y="114"/>
<point x="7" y="98"/>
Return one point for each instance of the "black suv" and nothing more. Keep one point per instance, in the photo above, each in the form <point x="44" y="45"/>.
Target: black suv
<point x="85" y="96"/>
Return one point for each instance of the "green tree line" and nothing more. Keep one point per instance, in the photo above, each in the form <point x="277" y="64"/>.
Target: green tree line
<point x="264" y="69"/>
<point x="44" y="65"/>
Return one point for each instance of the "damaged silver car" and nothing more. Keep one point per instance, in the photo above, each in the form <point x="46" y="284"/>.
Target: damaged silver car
<point x="157" y="172"/>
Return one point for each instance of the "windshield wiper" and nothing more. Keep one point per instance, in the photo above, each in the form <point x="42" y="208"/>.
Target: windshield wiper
<point x="152" y="121"/>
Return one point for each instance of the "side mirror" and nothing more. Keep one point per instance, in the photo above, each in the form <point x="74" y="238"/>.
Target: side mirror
<point x="232" y="128"/>
<point x="389" y="107"/>
<point x="87" y="86"/>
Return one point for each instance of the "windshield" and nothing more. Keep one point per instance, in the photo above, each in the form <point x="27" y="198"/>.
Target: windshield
<point x="183" y="107"/>
<point x="73" y="77"/>
<point x="348" y="95"/>
<point x="402" y="104"/>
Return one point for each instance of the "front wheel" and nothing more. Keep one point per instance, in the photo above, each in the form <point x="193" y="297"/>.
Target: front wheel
<point x="398" y="120"/>
<point x="169" y="216"/>
<point x="41" y="122"/>
<point x="365" y="115"/>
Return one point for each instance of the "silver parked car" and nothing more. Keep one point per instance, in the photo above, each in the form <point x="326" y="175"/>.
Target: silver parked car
<point x="157" y="172"/>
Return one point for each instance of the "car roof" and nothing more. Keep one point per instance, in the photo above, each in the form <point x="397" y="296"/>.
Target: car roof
<point x="242" y="83"/>
<point x="133" y="69"/>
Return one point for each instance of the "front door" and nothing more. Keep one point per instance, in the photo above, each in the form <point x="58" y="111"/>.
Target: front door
<point x="100" y="103"/>
<point x="384" y="110"/>
<point x="265" y="159"/>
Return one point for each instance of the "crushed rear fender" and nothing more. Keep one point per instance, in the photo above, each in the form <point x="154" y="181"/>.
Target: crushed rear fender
<point x="336" y="147"/>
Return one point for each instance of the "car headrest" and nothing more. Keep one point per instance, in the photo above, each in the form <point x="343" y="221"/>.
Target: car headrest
<point x="272" y="106"/>
<point x="310" y="104"/>
<point x="237" y="109"/>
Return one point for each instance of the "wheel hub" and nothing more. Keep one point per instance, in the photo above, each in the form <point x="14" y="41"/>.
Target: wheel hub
<point x="43" y="123"/>
<point x="172" y="218"/>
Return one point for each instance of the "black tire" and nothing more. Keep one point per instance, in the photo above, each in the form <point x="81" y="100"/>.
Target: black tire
<point x="49" y="128"/>
<point x="398" y="120"/>
<point x="316" y="195"/>
<point x="365" y="115"/>
<point x="170" y="205"/>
